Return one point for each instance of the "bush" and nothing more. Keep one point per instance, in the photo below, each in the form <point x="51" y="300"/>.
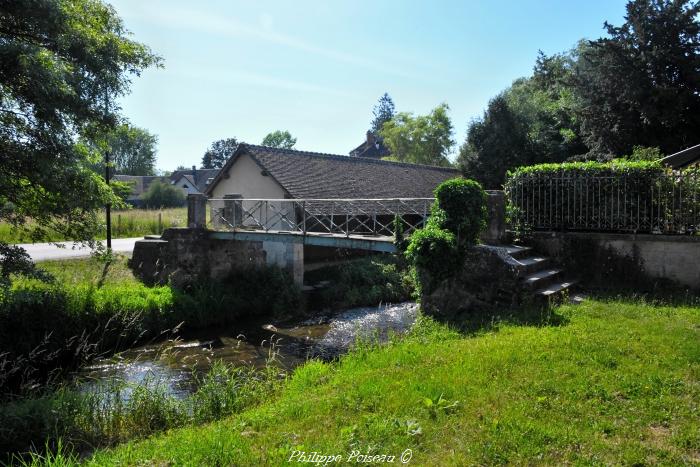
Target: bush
<point x="162" y="195"/>
<point x="620" y="195"/>
<point x="362" y="282"/>
<point x="435" y="255"/>
<point x="460" y="207"/>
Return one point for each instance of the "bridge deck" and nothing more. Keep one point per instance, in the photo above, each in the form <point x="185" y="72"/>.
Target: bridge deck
<point x="356" y="242"/>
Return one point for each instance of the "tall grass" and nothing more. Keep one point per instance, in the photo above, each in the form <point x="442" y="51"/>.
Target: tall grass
<point x="125" y="224"/>
<point x="52" y="428"/>
<point x="49" y="329"/>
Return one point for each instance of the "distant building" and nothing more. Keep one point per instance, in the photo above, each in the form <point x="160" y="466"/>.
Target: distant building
<point x="193" y="181"/>
<point x="190" y="181"/>
<point x="139" y="185"/>
<point x="372" y="148"/>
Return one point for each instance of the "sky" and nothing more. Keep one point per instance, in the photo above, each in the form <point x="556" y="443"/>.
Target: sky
<point x="241" y="68"/>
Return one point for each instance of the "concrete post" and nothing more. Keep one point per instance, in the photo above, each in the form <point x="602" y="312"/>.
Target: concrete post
<point x="233" y="209"/>
<point x="496" y="227"/>
<point x="196" y="211"/>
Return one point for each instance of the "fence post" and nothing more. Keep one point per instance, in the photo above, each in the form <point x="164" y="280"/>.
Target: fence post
<point x="233" y="209"/>
<point x="303" y="214"/>
<point x="196" y="211"/>
<point x="495" y="203"/>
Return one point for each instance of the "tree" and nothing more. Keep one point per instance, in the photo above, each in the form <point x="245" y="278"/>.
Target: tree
<point x="63" y="65"/>
<point x="162" y="195"/>
<point x="279" y="139"/>
<point x="533" y="121"/>
<point x="383" y="112"/>
<point x="132" y="151"/>
<point x="641" y="86"/>
<point x="218" y="153"/>
<point x="494" y="144"/>
<point x="422" y="139"/>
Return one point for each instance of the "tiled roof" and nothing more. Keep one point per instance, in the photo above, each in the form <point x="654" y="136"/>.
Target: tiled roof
<point x="198" y="177"/>
<point x="683" y="158"/>
<point x="314" y="175"/>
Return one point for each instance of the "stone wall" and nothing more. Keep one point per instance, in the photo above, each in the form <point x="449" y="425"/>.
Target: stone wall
<point x="487" y="280"/>
<point x="636" y="261"/>
<point x="185" y="256"/>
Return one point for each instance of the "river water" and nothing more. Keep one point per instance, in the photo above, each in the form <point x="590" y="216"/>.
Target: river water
<point x="175" y="364"/>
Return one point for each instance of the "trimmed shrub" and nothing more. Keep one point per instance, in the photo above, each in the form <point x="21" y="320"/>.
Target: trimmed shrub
<point x="434" y="253"/>
<point x="620" y="195"/>
<point x="460" y="207"/>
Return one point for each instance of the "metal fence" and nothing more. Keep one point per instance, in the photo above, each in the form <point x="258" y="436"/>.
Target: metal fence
<point x="662" y="202"/>
<point x="374" y="217"/>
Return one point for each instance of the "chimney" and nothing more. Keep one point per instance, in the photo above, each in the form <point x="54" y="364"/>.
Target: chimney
<point x="370" y="138"/>
<point x="194" y="173"/>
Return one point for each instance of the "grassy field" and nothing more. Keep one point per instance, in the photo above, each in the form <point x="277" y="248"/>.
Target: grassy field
<point x="125" y="224"/>
<point x="615" y="382"/>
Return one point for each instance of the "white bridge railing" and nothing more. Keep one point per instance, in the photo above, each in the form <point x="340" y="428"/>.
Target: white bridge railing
<point x="373" y="217"/>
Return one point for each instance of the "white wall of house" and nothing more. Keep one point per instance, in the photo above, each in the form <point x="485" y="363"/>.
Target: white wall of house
<point x="245" y="178"/>
<point x="186" y="186"/>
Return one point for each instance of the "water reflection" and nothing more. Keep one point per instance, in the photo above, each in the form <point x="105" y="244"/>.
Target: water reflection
<point x="175" y="364"/>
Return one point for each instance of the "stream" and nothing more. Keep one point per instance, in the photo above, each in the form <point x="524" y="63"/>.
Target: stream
<point x="175" y="364"/>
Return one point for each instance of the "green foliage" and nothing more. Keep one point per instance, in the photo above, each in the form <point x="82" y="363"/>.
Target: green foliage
<point x="163" y="195"/>
<point x="383" y="111"/>
<point x="400" y="241"/>
<point x="218" y="153"/>
<point x="532" y="121"/>
<point x="362" y="282"/>
<point x="462" y="205"/>
<point x="640" y="85"/>
<point x="435" y="255"/>
<point x="637" y="87"/>
<point x="591" y="167"/>
<point x="64" y="64"/>
<point x="132" y="151"/>
<point x="279" y="139"/>
<point x="640" y="153"/>
<point x="423" y="139"/>
<point x="14" y="261"/>
<point x="121" y="189"/>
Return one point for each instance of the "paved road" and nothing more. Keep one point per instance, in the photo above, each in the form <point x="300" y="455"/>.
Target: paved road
<point x="46" y="251"/>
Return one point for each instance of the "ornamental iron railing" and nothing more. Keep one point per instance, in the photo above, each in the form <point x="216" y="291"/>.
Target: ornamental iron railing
<point x="660" y="202"/>
<point x="370" y="217"/>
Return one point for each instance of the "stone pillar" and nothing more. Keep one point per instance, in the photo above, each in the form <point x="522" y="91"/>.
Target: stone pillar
<point x="233" y="209"/>
<point x="496" y="227"/>
<point x="196" y="211"/>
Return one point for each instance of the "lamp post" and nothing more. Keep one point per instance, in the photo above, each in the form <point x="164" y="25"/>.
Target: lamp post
<point x="108" y="206"/>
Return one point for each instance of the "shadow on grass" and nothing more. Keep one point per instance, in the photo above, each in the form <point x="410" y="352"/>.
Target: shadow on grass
<point x="476" y="322"/>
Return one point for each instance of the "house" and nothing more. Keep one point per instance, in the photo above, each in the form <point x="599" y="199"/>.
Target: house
<point x="265" y="173"/>
<point x="193" y="181"/>
<point x="373" y="148"/>
<point x="139" y="185"/>
<point x="272" y="173"/>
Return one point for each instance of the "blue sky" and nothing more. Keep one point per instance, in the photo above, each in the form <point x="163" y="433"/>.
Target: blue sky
<point x="316" y="68"/>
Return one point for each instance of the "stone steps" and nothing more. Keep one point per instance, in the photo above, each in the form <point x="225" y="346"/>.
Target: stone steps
<point x="547" y="283"/>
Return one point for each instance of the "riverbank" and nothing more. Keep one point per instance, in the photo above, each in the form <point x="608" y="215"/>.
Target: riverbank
<point x="610" y="382"/>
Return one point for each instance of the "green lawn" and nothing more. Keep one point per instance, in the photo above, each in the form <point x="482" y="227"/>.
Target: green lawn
<point x="90" y="271"/>
<point x="616" y="383"/>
